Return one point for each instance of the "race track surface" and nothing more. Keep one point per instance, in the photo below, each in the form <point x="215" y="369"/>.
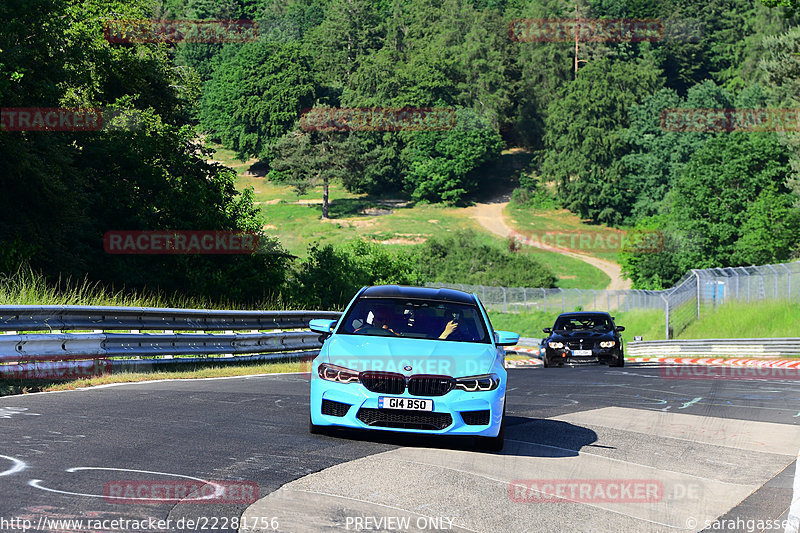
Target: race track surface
<point x="696" y="450"/>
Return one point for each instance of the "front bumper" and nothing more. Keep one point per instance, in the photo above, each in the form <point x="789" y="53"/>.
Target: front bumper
<point x="565" y="355"/>
<point x="455" y="413"/>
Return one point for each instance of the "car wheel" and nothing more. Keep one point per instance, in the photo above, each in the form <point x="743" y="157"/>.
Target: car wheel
<point x="620" y="361"/>
<point x="495" y="444"/>
<point x="545" y="362"/>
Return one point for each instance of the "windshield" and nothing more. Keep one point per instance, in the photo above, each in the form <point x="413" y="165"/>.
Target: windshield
<point x="418" y="319"/>
<point x="598" y="323"/>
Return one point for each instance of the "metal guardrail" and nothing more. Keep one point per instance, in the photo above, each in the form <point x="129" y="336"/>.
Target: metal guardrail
<point x="106" y="318"/>
<point x="116" y="336"/>
<point x="718" y="347"/>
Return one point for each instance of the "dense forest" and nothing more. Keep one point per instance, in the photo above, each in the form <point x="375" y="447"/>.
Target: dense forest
<point x="721" y="198"/>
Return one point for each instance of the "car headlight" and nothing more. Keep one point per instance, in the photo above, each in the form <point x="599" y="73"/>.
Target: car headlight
<point x="338" y="374"/>
<point x="555" y="345"/>
<point x="607" y="344"/>
<point x="486" y="382"/>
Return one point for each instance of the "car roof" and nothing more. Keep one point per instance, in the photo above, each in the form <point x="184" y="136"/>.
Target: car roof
<point x="417" y="293"/>
<point x="584" y="313"/>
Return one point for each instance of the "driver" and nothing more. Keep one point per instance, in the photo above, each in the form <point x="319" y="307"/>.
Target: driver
<point x="381" y="318"/>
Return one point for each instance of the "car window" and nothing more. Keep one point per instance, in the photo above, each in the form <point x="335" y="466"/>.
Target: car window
<point x="597" y="323"/>
<point x="419" y="319"/>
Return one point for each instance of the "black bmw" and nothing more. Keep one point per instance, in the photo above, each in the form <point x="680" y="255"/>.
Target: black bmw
<point x="583" y="337"/>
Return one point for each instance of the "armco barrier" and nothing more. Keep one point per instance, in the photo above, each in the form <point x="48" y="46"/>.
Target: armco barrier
<point x="714" y="347"/>
<point x="115" y="335"/>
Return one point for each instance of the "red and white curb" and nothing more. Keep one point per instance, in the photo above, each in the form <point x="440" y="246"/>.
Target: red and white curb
<point x="713" y="361"/>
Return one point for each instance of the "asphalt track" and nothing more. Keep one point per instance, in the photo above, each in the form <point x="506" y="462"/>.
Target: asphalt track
<point x="718" y="449"/>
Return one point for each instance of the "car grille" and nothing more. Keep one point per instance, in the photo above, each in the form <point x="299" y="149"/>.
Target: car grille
<point x="475" y="418"/>
<point x="393" y="383"/>
<point x="329" y="407"/>
<point x="430" y="385"/>
<point x="383" y="382"/>
<point x="394" y="418"/>
<point x="587" y="345"/>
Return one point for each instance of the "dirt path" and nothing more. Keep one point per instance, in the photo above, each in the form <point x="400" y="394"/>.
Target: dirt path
<point x="490" y="216"/>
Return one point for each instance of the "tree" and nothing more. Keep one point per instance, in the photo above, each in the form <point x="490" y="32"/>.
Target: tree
<point x="443" y="166"/>
<point x="584" y="137"/>
<point x="308" y="159"/>
<point x="255" y="96"/>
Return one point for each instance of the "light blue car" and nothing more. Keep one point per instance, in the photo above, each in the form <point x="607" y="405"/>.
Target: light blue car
<point x="414" y="360"/>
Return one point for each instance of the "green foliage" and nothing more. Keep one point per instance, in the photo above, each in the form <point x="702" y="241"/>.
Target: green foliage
<point x="331" y="276"/>
<point x="443" y="166"/>
<point x="584" y="137"/>
<point x="462" y="258"/>
<point x="256" y="95"/>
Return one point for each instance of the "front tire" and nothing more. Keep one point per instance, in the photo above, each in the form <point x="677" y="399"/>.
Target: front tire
<point x="620" y="361"/>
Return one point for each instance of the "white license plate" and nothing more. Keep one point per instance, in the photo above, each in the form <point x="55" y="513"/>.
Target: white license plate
<point x="581" y="352"/>
<point x="408" y="404"/>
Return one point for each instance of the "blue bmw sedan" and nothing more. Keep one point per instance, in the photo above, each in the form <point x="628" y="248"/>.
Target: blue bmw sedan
<point x="412" y="359"/>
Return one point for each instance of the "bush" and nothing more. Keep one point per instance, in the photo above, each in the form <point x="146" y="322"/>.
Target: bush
<point x="331" y="276"/>
<point x="461" y="258"/>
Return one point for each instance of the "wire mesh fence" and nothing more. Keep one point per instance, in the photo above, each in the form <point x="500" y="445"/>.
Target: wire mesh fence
<point x="697" y="291"/>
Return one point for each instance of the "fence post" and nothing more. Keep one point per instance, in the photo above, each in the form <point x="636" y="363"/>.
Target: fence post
<point x="580" y="297"/>
<point x="595" y="299"/>
<point x="775" y="273"/>
<point x="525" y="297"/>
<point x="788" y="282"/>
<point x="544" y="297"/>
<point x="504" y="299"/>
<point x="666" y="317"/>
<point x="697" y="277"/>
<point x="563" y="301"/>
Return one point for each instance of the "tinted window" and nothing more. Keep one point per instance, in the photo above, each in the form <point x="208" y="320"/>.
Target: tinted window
<point x="584" y="323"/>
<point x="419" y="319"/>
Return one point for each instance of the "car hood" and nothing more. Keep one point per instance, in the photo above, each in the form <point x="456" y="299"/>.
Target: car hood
<point x="423" y="356"/>
<point x="575" y="335"/>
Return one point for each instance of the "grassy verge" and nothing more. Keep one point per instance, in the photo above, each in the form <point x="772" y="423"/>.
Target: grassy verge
<point x="740" y="320"/>
<point x="194" y="371"/>
<point x="647" y="323"/>
<point x="598" y="241"/>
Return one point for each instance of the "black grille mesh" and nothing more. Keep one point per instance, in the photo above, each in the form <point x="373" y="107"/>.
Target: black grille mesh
<point x="383" y="382"/>
<point x="394" y="418"/>
<point x="430" y="385"/>
<point x="475" y="418"/>
<point x="329" y="407"/>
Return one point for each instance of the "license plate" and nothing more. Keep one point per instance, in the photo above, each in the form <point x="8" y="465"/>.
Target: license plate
<point x="408" y="404"/>
<point x="581" y="352"/>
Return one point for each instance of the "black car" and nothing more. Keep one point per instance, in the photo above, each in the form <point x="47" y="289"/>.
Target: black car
<point x="583" y="337"/>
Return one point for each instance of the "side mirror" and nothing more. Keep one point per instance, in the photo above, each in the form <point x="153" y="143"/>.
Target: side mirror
<point x="321" y="325"/>
<point x="620" y="328"/>
<point x="547" y="330"/>
<point x="506" y="338"/>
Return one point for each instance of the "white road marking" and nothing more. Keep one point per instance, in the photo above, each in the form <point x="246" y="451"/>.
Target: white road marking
<point x="793" y="524"/>
<point x="688" y="404"/>
<point x="8" y="412"/>
<point x="219" y="489"/>
<point x="18" y="466"/>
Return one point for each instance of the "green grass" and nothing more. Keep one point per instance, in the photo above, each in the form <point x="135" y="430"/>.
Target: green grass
<point x="647" y="323"/>
<point x="769" y="319"/>
<point x="741" y="320"/>
<point x="26" y="287"/>
<point x="536" y="222"/>
<point x="296" y="225"/>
